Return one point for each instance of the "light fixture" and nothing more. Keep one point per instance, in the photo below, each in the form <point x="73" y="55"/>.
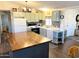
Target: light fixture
<point x="24" y="9"/>
<point x="27" y="9"/>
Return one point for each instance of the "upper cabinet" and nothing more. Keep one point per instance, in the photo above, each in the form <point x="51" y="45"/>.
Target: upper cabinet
<point x="27" y="16"/>
<point x="18" y="14"/>
<point x="33" y="16"/>
<point x="56" y="16"/>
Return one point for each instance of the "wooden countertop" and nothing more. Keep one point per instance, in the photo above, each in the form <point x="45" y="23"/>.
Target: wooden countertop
<point x="25" y="39"/>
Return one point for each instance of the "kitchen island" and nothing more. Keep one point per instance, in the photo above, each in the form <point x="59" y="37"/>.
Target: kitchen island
<point x="29" y="45"/>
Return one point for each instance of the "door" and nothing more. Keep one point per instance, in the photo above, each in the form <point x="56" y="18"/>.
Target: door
<point x="6" y="20"/>
<point x="0" y="24"/>
<point x="69" y="19"/>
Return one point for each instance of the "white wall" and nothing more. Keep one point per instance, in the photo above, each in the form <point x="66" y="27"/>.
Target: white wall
<point x="69" y="22"/>
<point x="8" y="5"/>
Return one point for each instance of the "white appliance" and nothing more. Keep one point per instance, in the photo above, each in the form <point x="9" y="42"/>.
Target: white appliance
<point x="19" y="25"/>
<point x="18" y="22"/>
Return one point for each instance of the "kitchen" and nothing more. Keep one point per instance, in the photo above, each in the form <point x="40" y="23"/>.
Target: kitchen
<point x="32" y="29"/>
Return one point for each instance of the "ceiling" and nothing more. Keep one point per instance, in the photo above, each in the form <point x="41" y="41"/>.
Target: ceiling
<point x="50" y="4"/>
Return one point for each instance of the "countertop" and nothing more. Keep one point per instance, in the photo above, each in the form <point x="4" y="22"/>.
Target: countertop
<point x="33" y="26"/>
<point x="25" y="39"/>
<point x="52" y="28"/>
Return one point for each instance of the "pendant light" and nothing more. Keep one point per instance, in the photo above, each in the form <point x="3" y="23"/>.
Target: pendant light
<point x="27" y="9"/>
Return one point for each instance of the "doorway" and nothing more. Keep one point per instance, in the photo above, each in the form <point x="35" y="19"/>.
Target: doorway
<point x="5" y="21"/>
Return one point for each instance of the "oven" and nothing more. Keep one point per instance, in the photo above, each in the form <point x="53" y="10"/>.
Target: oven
<point x="36" y="30"/>
<point x="34" y="27"/>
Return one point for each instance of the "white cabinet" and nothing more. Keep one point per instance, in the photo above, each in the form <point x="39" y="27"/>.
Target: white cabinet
<point x="43" y="32"/>
<point x="56" y="15"/>
<point x="54" y="35"/>
<point x="33" y="17"/>
<point x="46" y="33"/>
<point x="50" y="34"/>
<point x="18" y="14"/>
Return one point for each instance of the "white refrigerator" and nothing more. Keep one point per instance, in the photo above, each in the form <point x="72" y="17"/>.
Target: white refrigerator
<point x="19" y="25"/>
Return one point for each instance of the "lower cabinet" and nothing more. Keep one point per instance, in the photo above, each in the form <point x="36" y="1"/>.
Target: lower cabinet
<point x="43" y="32"/>
<point x="46" y="33"/>
<point x="50" y="34"/>
<point x="37" y="51"/>
<point x="54" y="36"/>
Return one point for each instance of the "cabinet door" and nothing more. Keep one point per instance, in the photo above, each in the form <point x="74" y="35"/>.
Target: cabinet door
<point x="56" y="15"/>
<point x="41" y="31"/>
<point x="50" y="34"/>
<point x="18" y="14"/>
<point x="31" y="17"/>
<point x="45" y="32"/>
<point x="27" y="16"/>
<point x="55" y="37"/>
<point x="40" y="16"/>
<point x="36" y="17"/>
